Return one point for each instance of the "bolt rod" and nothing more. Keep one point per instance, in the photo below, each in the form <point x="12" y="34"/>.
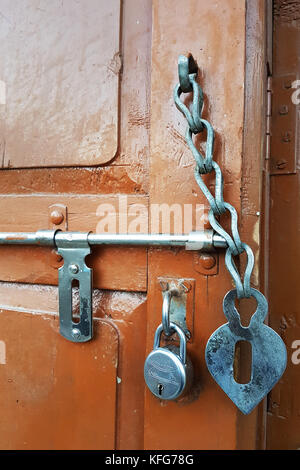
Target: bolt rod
<point x="201" y="241"/>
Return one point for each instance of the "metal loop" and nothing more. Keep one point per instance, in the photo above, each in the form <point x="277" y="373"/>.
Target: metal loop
<point x="186" y="66"/>
<point x="233" y="315"/>
<point x="216" y="203"/>
<point x="205" y="164"/>
<point x="181" y="335"/>
<point x="243" y="288"/>
<point x="167" y="294"/>
<point x="234" y="243"/>
<point x="193" y="118"/>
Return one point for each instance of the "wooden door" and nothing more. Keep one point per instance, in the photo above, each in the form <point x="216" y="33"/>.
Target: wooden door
<point x="90" y="133"/>
<point x="283" y="404"/>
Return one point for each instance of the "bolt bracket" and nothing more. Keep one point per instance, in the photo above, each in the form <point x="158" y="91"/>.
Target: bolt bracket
<point x="74" y="247"/>
<point x="182" y="302"/>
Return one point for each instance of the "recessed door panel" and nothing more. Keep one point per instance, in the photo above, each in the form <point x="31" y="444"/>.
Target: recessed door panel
<point x="59" y="72"/>
<point x="55" y="394"/>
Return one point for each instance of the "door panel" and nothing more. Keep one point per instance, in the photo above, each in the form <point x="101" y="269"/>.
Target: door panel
<point x="50" y="389"/>
<point x="94" y="392"/>
<point x="60" y="76"/>
<point x="142" y="155"/>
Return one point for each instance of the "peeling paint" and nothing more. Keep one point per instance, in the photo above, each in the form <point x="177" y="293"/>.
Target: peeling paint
<point x="2" y="352"/>
<point x="256" y="237"/>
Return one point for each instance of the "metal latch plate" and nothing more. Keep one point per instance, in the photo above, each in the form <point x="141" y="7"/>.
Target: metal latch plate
<point x="74" y="247"/>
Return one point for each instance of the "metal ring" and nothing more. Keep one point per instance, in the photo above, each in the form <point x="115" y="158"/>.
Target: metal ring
<point x="166" y="312"/>
<point x="186" y="66"/>
<point x="234" y="243"/>
<point x="243" y="288"/>
<point x="193" y="118"/>
<point x="216" y="203"/>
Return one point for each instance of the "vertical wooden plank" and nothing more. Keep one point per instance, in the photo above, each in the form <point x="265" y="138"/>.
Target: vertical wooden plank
<point x="254" y="216"/>
<point x="283" y="419"/>
<point x="214" y="33"/>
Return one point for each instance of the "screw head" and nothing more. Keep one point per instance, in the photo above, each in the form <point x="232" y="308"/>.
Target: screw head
<point x="283" y="109"/>
<point x="286" y="136"/>
<point x="56" y="217"/>
<point x="185" y="285"/>
<point x="281" y="164"/>
<point x="76" y="333"/>
<point x="287" y="84"/>
<point x="73" y="268"/>
<point x="164" y="285"/>
<point x="207" y="261"/>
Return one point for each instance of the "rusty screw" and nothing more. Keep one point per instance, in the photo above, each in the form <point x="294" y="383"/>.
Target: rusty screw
<point x="283" y="109"/>
<point x="207" y="261"/>
<point x="164" y="285"/>
<point x="185" y="285"/>
<point x="281" y="164"/>
<point x="287" y="84"/>
<point x="286" y="137"/>
<point x="56" y="217"/>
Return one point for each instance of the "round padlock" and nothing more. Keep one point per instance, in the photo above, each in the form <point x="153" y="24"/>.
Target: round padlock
<point x="168" y="371"/>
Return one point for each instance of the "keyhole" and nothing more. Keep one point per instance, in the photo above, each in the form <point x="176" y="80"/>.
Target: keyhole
<point x="160" y="389"/>
<point x="242" y="365"/>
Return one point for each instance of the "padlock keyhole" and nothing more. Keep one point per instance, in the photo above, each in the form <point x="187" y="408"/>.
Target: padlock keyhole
<point x="160" y="389"/>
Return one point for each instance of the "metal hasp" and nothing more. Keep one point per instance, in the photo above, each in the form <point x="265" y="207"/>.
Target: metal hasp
<point x="268" y="353"/>
<point x="74" y="247"/>
<point x="178" y="299"/>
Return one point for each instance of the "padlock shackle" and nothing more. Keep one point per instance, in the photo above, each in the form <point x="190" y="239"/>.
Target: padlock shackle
<point x="181" y="335"/>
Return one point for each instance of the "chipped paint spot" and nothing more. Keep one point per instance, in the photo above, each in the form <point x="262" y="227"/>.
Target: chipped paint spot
<point x="119" y="380"/>
<point x="255" y="273"/>
<point x="115" y="64"/>
<point x="2" y="352"/>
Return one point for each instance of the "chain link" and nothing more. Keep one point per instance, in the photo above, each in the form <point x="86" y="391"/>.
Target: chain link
<point x="187" y="70"/>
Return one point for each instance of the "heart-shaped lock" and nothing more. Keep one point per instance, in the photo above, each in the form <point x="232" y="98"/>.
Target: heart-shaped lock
<point x="268" y="353"/>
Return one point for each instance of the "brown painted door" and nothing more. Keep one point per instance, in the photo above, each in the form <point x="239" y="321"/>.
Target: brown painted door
<point x="90" y="139"/>
<point x="283" y="422"/>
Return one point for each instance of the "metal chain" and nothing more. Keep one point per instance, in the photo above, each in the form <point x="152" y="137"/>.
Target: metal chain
<point x="187" y="70"/>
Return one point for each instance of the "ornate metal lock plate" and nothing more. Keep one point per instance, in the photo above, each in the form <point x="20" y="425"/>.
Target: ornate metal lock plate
<point x="268" y="353"/>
